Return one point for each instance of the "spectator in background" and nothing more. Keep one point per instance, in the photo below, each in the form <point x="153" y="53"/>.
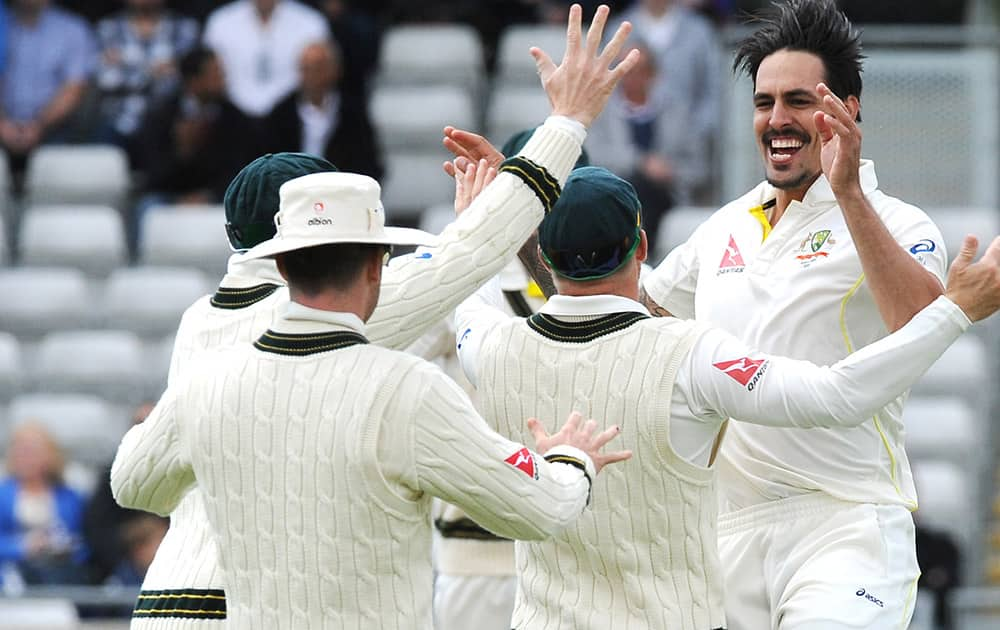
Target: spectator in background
<point x="940" y="563"/>
<point x="358" y="35"/>
<point x="40" y="517"/>
<point x="92" y="10"/>
<point x="140" y="47"/>
<point x="644" y="136"/>
<point x="194" y="142"/>
<point x="49" y="62"/>
<point x="689" y="68"/>
<point x="323" y="120"/>
<point x="259" y="43"/>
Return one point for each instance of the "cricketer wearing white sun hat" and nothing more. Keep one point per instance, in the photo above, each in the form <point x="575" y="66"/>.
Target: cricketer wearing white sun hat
<point x="329" y="208"/>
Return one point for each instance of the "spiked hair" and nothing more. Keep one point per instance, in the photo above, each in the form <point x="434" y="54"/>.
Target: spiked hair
<point x="812" y="26"/>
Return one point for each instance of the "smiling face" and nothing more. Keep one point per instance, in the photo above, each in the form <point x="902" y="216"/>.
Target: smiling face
<point x="785" y="99"/>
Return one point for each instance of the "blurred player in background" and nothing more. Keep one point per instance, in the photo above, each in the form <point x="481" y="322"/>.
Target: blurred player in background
<point x="814" y="263"/>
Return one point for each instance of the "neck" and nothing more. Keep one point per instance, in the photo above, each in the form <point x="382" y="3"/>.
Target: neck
<point x="604" y="286"/>
<point x="264" y="14"/>
<point x="27" y="15"/>
<point x="350" y="301"/>
<point x="34" y="486"/>
<point x="785" y="196"/>
<point x="316" y="99"/>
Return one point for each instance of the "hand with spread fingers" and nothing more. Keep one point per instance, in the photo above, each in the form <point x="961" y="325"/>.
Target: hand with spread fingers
<point x="841" y="137"/>
<point x="975" y="286"/>
<point x="580" y="85"/>
<point x="580" y="435"/>
<point x="468" y="147"/>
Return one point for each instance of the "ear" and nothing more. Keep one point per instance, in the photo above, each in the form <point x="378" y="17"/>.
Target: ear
<point x="642" y="251"/>
<point x="282" y="269"/>
<point x="853" y="106"/>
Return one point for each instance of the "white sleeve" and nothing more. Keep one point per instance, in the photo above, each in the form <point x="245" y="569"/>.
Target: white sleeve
<point x="673" y="282"/>
<point x="474" y="319"/>
<point x="150" y="471"/>
<point x="727" y="378"/>
<point x="502" y="485"/>
<point x="420" y="288"/>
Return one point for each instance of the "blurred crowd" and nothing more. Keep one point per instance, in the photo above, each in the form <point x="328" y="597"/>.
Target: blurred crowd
<point x="194" y="89"/>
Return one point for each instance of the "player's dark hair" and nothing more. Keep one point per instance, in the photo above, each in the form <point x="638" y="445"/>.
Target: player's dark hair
<point x="316" y="269"/>
<point x="812" y="26"/>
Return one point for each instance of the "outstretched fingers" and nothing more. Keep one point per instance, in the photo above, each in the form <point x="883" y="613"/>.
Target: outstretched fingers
<point x="573" y="31"/>
<point x="616" y="44"/>
<point x="596" y="31"/>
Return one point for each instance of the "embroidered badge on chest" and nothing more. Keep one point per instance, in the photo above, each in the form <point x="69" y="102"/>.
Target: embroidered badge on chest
<point x="732" y="259"/>
<point x="814" y="247"/>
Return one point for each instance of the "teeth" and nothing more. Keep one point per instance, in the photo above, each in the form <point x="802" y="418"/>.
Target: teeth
<point x="786" y="143"/>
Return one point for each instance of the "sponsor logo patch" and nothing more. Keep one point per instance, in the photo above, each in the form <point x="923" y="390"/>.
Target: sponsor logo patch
<point x="320" y="221"/>
<point x="732" y="259"/>
<point x="875" y="600"/>
<point x="318" y="207"/>
<point x="924" y="246"/>
<point x="745" y="371"/>
<point x="524" y="461"/>
<point x="464" y="335"/>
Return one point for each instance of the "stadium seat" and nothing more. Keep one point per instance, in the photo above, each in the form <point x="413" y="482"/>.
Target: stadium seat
<point x="412" y="118"/>
<point x="945" y="498"/>
<point x="515" y="65"/>
<point x="24" y="613"/>
<point x="109" y="363"/>
<point x="82" y="174"/>
<point x="414" y="181"/>
<point x="11" y="367"/>
<point x="84" y="425"/>
<point x="962" y="371"/>
<point x="89" y="238"/>
<point x="515" y="109"/>
<point x="186" y="236"/>
<point x="678" y="225"/>
<point x="151" y="300"/>
<point x="945" y="428"/>
<point x="37" y="300"/>
<point x="425" y="54"/>
<point x="929" y="122"/>
<point x="956" y="222"/>
<point x="437" y="217"/>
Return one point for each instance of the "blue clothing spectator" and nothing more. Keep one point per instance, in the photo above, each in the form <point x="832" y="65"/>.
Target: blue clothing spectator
<point x="139" y="51"/>
<point x="3" y="36"/>
<point x="51" y="56"/>
<point x="41" y="519"/>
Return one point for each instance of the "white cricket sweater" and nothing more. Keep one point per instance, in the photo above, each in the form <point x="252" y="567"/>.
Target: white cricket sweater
<point x="644" y="555"/>
<point x="183" y="588"/>
<point x="318" y="455"/>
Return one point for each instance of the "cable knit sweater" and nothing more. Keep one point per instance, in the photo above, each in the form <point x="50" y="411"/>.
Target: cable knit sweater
<point x="183" y="587"/>
<point x="318" y="455"/>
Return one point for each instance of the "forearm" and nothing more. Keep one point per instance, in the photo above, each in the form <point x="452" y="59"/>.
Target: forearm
<point x="786" y="392"/>
<point x="418" y="290"/>
<point x="65" y="102"/>
<point x="528" y="255"/>
<point x="901" y="285"/>
<point x="149" y="472"/>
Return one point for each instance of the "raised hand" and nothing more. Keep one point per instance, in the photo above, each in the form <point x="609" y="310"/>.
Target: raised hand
<point x="471" y="181"/>
<point x="841" y="138"/>
<point x="580" y="435"/>
<point x="975" y="286"/>
<point x="470" y="146"/>
<point x="580" y="85"/>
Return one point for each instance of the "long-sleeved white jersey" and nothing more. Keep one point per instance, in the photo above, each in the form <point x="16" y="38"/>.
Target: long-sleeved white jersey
<point x="646" y="556"/>
<point x="799" y="291"/>
<point x="183" y="587"/>
<point x="317" y="455"/>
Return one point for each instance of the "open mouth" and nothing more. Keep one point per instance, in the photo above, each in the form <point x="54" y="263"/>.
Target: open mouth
<point x="781" y="149"/>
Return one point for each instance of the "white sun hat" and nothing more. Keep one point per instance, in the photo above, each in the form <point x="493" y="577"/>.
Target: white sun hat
<point x="328" y="208"/>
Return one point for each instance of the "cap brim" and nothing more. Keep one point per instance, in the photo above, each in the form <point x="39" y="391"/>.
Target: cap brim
<point x="391" y="236"/>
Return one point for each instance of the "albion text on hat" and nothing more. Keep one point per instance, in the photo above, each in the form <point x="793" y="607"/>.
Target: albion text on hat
<point x="328" y="208"/>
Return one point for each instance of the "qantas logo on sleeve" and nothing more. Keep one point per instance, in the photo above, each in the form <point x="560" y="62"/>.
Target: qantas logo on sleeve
<point x="746" y="371"/>
<point x="732" y="259"/>
<point x="524" y="461"/>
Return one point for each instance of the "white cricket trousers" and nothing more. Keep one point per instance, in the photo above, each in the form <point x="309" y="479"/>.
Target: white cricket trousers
<point x="817" y="563"/>
<point x="474" y="602"/>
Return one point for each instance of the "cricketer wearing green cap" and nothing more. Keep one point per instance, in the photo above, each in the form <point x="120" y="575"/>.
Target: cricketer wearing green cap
<point x="417" y="291"/>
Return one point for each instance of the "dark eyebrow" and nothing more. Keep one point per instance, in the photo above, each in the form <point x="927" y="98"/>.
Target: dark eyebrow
<point x="799" y="94"/>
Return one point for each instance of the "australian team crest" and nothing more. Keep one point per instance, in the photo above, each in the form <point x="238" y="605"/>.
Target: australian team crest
<point x="814" y="247"/>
